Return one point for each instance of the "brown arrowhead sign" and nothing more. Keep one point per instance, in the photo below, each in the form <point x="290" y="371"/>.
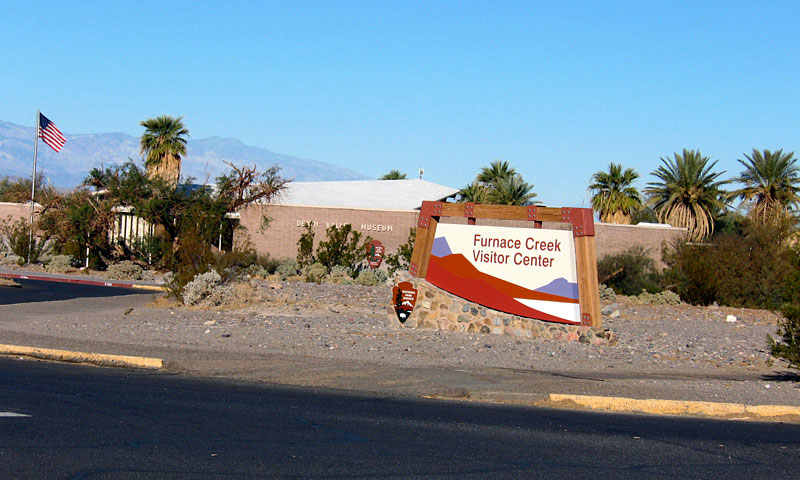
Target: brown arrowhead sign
<point x="375" y="253"/>
<point x="404" y="296"/>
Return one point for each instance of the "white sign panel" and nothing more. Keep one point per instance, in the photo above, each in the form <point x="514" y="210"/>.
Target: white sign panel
<point x="524" y="271"/>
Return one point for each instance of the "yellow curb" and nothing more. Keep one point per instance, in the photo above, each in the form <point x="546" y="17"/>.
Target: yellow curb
<point x="82" y="357"/>
<point x="675" y="407"/>
<point x="149" y="287"/>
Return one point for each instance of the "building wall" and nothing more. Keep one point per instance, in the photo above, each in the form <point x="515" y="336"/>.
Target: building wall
<point x="287" y="223"/>
<point x="15" y="211"/>
<point x="613" y="238"/>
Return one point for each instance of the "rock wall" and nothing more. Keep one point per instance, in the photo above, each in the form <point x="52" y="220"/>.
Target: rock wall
<point x="438" y="309"/>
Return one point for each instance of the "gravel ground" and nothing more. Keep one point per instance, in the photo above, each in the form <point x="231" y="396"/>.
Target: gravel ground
<point x="350" y="323"/>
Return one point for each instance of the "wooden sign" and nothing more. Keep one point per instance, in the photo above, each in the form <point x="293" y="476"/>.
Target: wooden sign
<point x="545" y="274"/>
<point x="513" y="270"/>
<point x="375" y="253"/>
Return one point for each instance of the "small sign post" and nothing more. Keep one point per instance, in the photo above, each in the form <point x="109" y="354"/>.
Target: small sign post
<point x="405" y="298"/>
<point x="375" y="251"/>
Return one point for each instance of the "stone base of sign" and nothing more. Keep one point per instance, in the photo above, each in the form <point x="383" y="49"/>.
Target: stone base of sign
<point x="438" y="309"/>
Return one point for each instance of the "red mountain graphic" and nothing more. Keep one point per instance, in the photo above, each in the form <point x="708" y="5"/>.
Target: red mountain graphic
<point x="458" y="276"/>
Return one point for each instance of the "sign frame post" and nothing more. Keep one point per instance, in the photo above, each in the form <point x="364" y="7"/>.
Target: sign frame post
<point x="581" y="219"/>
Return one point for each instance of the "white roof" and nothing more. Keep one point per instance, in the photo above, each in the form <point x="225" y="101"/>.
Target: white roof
<point x="369" y="194"/>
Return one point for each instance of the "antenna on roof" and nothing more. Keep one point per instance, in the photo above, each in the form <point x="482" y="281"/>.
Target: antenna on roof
<point x="421" y="171"/>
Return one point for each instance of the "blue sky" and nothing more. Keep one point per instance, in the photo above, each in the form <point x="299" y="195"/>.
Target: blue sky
<point x="558" y="89"/>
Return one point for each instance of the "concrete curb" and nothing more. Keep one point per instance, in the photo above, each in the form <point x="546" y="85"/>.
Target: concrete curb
<point x="83" y="357"/>
<point x="676" y="407"/>
<point x="82" y="281"/>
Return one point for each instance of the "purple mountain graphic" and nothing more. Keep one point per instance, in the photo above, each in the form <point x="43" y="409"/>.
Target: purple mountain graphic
<point x="440" y="247"/>
<point x="562" y="287"/>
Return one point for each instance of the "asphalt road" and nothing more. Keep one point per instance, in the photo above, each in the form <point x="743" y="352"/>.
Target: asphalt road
<point x="90" y="423"/>
<point x="33" y="291"/>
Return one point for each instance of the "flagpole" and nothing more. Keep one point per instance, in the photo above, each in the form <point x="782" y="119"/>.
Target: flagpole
<point x="33" y="185"/>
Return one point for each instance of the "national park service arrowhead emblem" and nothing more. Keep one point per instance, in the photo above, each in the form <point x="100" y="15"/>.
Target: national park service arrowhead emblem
<point x="375" y="252"/>
<point x="404" y="296"/>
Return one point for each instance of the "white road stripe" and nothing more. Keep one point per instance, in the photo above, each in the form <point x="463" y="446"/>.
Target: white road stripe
<point x="12" y="414"/>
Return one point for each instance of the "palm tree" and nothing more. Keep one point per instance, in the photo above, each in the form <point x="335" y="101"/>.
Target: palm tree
<point x="475" y="192"/>
<point x="771" y="184"/>
<point x="688" y="194"/>
<point x="613" y="195"/>
<point x="512" y="190"/>
<point x="394" y="175"/>
<point x="495" y="171"/>
<point x="498" y="184"/>
<point x="162" y="144"/>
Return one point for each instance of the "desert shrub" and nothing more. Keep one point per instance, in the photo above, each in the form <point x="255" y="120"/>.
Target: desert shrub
<point x="288" y="267"/>
<point x="367" y="277"/>
<point x="194" y="257"/>
<point x="207" y="289"/>
<point x="315" y="272"/>
<point x="607" y="294"/>
<point x="750" y="269"/>
<point x="340" y="275"/>
<point x="12" y="260"/>
<point x="14" y="238"/>
<point x="629" y="272"/>
<point x="665" y="297"/>
<point x="305" y="248"/>
<point x="125" y="270"/>
<point x="343" y="246"/>
<point x="787" y="346"/>
<point x="257" y="271"/>
<point x="267" y="263"/>
<point x="791" y="284"/>
<point x="381" y="275"/>
<point x="401" y="259"/>
<point x="60" y="264"/>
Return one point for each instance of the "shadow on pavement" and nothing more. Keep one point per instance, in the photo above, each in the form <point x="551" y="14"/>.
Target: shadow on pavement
<point x="785" y="376"/>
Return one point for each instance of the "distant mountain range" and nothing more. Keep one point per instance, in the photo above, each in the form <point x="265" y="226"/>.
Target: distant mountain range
<point x="204" y="157"/>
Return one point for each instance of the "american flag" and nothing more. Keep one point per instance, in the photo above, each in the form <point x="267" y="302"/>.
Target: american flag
<point x="50" y="134"/>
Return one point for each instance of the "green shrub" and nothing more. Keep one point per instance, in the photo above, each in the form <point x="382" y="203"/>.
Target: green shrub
<point x="788" y="346"/>
<point x="305" y="248"/>
<point x="629" y="272"/>
<point x="267" y="263"/>
<point x="381" y="275"/>
<point x="256" y="271"/>
<point x="340" y="275"/>
<point x="367" y="277"/>
<point x="287" y="268"/>
<point x="750" y="269"/>
<point x="607" y="294"/>
<point x="194" y="258"/>
<point x="342" y="246"/>
<point x="125" y="270"/>
<point x="14" y="238"/>
<point x="401" y="259"/>
<point x="315" y="273"/>
<point x="60" y="264"/>
<point x="665" y="297"/>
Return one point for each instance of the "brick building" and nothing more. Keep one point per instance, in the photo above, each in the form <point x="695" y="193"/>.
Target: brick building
<point x="387" y="209"/>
